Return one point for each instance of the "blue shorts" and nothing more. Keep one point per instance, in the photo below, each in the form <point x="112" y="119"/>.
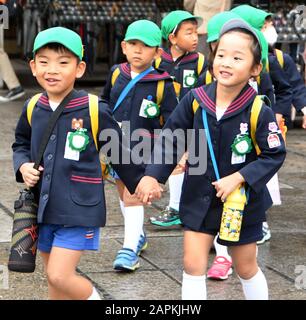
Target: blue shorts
<point x="75" y="238"/>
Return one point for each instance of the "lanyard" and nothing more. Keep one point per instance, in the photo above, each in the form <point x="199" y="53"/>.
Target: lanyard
<point x="130" y="85"/>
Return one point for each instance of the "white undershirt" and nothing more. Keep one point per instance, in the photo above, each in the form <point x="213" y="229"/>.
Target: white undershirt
<point x="220" y="112"/>
<point x="53" y="105"/>
<point x="134" y="74"/>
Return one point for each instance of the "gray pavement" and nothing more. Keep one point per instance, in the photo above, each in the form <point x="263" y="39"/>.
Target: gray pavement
<point x="283" y="258"/>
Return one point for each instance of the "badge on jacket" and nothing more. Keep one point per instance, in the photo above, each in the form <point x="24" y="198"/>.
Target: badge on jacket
<point x="189" y="78"/>
<point x="241" y="145"/>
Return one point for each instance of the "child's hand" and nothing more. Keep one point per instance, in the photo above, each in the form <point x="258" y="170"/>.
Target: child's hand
<point x="148" y="189"/>
<point x="29" y="174"/>
<point x="227" y="185"/>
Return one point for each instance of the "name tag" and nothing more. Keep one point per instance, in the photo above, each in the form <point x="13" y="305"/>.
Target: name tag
<point x="236" y="159"/>
<point x="69" y="153"/>
<point x="144" y="104"/>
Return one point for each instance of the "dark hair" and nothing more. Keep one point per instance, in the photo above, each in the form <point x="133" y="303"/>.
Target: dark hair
<point x="255" y="48"/>
<point x="57" y="47"/>
<point x="192" y="20"/>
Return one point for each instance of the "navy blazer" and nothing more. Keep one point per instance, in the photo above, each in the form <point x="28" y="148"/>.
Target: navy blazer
<point x="176" y="68"/>
<point x="198" y="200"/>
<point x="70" y="192"/>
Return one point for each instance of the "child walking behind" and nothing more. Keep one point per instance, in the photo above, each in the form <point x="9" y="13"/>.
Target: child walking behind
<point x="141" y="99"/>
<point x="226" y="104"/>
<point x="69" y="182"/>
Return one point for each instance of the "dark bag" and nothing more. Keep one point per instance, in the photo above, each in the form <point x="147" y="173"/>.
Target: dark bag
<point x="25" y="228"/>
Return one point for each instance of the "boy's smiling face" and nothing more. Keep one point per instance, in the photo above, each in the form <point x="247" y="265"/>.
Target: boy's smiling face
<point x="139" y="55"/>
<point x="56" y="71"/>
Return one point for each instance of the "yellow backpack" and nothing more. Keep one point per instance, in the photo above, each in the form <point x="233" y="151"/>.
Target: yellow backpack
<point x="94" y="120"/>
<point x="256" y="107"/>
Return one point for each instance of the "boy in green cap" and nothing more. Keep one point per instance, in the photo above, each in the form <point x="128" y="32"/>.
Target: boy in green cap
<point x="185" y="65"/>
<point x="141" y="99"/>
<point x="68" y="184"/>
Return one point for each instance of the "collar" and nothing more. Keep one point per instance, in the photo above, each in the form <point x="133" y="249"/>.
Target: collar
<point x="206" y="97"/>
<point x="79" y="100"/>
<point x="154" y="75"/>
<point x="188" y="57"/>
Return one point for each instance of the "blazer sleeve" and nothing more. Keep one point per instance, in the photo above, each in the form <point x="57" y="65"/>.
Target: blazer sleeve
<point x="105" y="94"/>
<point x="266" y="88"/>
<point x="117" y="149"/>
<point x="169" y="101"/>
<point x="167" y="151"/>
<point x="257" y="173"/>
<point x="22" y="144"/>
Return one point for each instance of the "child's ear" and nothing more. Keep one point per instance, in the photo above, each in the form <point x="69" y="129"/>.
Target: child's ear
<point x="256" y="70"/>
<point x="33" y="67"/>
<point x="158" y="53"/>
<point x="80" y="69"/>
<point x="172" y="39"/>
<point x="123" y="46"/>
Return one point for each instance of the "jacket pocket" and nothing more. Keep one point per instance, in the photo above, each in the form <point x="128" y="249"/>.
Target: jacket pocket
<point x="86" y="190"/>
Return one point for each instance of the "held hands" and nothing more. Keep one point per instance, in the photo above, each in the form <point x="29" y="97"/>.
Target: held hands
<point x="29" y="174"/>
<point x="148" y="189"/>
<point x="227" y="185"/>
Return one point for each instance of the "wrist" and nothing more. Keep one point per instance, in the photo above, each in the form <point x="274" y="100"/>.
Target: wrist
<point x="240" y="177"/>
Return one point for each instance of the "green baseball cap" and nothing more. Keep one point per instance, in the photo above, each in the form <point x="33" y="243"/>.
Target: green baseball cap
<point x="255" y="17"/>
<point x="173" y="19"/>
<point x="66" y="37"/>
<point x="216" y="23"/>
<point x="144" y="30"/>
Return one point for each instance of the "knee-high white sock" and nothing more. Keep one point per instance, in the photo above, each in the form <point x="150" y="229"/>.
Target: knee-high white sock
<point x="133" y="226"/>
<point x="193" y="287"/>
<point x="175" y="188"/>
<point x="122" y="207"/>
<point x="255" y="288"/>
<point x="221" y="250"/>
<point x="95" y="295"/>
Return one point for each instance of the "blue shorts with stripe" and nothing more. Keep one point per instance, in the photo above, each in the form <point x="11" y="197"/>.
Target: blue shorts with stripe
<point x="69" y="237"/>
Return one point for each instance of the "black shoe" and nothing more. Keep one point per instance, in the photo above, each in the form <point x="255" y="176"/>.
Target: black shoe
<point x="13" y="94"/>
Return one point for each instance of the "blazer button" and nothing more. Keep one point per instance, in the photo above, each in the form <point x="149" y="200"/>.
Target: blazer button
<point x="52" y="138"/>
<point x="45" y="197"/>
<point x="206" y="198"/>
<point x="48" y="177"/>
<point x="50" y="156"/>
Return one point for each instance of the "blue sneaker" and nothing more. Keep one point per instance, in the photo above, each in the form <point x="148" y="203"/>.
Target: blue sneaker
<point x="142" y="244"/>
<point x="126" y="260"/>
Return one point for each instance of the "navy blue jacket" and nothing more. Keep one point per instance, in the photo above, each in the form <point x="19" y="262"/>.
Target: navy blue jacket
<point x="198" y="200"/>
<point x="296" y="81"/>
<point x="129" y="109"/>
<point x="176" y="68"/>
<point x="282" y="88"/>
<point x="70" y="192"/>
<point x="265" y="86"/>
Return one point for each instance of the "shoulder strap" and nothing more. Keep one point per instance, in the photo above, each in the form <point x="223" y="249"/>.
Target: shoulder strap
<point x="258" y="80"/>
<point x="31" y="105"/>
<point x="208" y="78"/>
<point x="160" y="91"/>
<point x="268" y="66"/>
<point x="201" y="61"/>
<point x="195" y="105"/>
<point x="94" y="116"/>
<point x="280" y="57"/>
<point x="256" y="107"/>
<point x="157" y="62"/>
<point x="115" y="75"/>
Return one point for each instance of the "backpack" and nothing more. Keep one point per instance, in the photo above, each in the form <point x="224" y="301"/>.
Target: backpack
<point x="255" y="110"/>
<point x="159" y="90"/>
<point x="94" y="121"/>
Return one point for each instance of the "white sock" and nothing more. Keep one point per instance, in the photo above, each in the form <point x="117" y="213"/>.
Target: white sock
<point x="255" y="288"/>
<point x="95" y="295"/>
<point x="133" y="226"/>
<point x="175" y="188"/>
<point x="193" y="287"/>
<point x="122" y="207"/>
<point x="221" y="250"/>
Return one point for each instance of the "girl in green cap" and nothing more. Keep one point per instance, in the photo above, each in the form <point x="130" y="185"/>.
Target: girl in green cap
<point x="224" y="112"/>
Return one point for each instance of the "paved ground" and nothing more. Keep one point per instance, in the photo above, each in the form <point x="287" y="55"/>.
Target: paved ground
<point x="283" y="258"/>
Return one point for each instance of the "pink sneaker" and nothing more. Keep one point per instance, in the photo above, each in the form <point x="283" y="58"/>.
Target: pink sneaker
<point x="220" y="269"/>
